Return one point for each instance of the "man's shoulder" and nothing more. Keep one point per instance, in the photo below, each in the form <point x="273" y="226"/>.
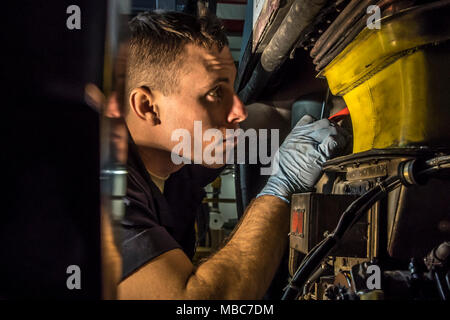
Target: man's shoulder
<point x="137" y="187"/>
<point x="139" y="184"/>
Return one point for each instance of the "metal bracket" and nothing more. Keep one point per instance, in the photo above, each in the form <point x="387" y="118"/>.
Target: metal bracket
<point x="369" y="172"/>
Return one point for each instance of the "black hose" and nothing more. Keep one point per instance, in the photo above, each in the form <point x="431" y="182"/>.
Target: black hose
<point x="441" y="289"/>
<point x="350" y="216"/>
<point x="304" y="272"/>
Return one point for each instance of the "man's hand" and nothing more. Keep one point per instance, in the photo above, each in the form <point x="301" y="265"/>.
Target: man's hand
<point x="245" y="266"/>
<point x="301" y="156"/>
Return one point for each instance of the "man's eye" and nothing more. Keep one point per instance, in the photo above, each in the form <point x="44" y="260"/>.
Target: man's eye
<point x="215" y="93"/>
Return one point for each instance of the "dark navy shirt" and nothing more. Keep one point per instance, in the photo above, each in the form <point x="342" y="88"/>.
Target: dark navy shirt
<point x="154" y="222"/>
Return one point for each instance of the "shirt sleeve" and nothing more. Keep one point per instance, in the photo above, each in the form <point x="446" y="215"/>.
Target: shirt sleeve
<point x="143" y="238"/>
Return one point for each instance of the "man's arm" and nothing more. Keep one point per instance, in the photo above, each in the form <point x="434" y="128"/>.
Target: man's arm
<point x="242" y="269"/>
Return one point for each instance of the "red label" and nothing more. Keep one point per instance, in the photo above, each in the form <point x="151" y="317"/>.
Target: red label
<point x="297" y="221"/>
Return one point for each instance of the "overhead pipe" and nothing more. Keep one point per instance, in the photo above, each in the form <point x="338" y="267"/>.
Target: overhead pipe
<point x="300" y="15"/>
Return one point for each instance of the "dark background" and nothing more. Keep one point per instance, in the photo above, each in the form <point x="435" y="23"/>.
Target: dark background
<point x="50" y="151"/>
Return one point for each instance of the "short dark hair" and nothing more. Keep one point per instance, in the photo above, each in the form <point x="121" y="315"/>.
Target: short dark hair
<point x="157" y="42"/>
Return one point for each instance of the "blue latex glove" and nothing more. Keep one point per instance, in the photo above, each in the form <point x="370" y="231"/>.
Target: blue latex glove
<point x="301" y="156"/>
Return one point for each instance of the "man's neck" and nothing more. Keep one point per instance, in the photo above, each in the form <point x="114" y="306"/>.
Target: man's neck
<point x="158" y="162"/>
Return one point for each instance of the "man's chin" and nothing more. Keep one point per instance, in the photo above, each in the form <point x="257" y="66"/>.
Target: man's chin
<point x="213" y="166"/>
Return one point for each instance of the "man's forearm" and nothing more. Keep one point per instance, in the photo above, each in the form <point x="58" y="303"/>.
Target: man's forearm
<point x="245" y="266"/>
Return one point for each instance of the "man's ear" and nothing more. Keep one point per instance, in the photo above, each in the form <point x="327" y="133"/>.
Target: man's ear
<point x="143" y="104"/>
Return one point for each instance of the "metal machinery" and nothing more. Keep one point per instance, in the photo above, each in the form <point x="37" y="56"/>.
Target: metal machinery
<point x="378" y="224"/>
<point x="394" y="81"/>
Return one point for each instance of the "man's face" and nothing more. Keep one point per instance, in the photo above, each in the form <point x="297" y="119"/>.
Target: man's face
<point x="205" y="94"/>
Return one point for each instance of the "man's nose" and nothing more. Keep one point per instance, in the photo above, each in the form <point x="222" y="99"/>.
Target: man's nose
<point x="238" y="112"/>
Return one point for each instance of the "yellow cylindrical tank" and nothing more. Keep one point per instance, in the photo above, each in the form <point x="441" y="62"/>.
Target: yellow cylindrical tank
<point x="396" y="80"/>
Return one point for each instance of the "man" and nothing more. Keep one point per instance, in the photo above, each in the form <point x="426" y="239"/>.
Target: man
<point x="181" y="70"/>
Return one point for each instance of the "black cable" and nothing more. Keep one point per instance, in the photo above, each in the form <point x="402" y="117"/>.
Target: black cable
<point x="441" y="289"/>
<point x="350" y="216"/>
<point x="325" y="103"/>
<point x="434" y="169"/>
<point x="438" y="161"/>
